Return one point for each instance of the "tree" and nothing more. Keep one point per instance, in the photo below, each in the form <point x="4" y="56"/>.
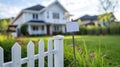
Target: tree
<point x="108" y="7"/>
<point x="79" y="21"/>
<point x="3" y="26"/>
<point x="24" y="30"/>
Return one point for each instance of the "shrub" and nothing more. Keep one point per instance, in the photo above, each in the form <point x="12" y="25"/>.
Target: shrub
<point x="90" y="30"/>
<point x="57" y="32"/>
<point x="96" y="30"/>
<point x="104" y="30"/>
<point x="82" y="31"/>
<point x="6" y="45"/>
<point x="24" y="30"/>
<point x="114" y="28"/>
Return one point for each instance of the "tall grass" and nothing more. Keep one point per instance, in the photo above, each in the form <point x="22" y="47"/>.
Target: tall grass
<point x="85" y="57"/>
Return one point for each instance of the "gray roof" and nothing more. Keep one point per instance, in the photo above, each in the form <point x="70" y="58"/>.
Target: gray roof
<point x="36" y="7"/>
<point x="88" y="17"/>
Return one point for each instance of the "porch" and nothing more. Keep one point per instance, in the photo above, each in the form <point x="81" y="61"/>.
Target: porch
<point x="45" y="29"/>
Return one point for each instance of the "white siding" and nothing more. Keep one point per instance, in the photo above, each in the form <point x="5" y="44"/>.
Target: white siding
<point x="19" y="21"/>
<point x="27" y="17"/>
<point x="57" y="9"/>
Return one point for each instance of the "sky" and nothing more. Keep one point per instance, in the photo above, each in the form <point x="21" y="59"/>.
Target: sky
<point x="78" y="8"/>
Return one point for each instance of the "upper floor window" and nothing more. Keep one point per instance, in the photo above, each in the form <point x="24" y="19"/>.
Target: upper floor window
<point x="47" y="14"/>
<point x="35" y="16"/>
<point x="56" y="16"/>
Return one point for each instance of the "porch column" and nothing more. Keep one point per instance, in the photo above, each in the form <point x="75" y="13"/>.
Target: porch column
<point x="51" y="29"/>
<point x="29" y="29"/>
<point x="45" y="29"/>
<point x="63" y="28"/>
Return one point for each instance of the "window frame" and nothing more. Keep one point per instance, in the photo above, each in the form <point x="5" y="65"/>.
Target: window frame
<point x="35" y="28"/>
<point x="55" y="15"/>
<point x="35" y="16"/>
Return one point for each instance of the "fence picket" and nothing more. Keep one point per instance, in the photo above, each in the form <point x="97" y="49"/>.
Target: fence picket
<point x="41" y="53"/>
<point x="17" y="61"/>
<point x="30" y="54"/>
<point x="1" y="57"/>
<point x="50" y="55"/>
<point x="16" y="55"/>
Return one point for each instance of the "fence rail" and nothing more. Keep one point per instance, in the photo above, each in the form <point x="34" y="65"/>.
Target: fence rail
<point x="17" y="61"/>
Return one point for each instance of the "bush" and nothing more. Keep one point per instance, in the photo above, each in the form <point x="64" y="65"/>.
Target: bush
<point x="90" y="30"/>
<point x="104" y="30"/>
<point x="96" y="30"/>
<point x="82" y="31"/>
<point x="6" y="45"/>
<point x="114" y="28"/>
<point x="57" y="32"/>
<point x="24" y="30"/>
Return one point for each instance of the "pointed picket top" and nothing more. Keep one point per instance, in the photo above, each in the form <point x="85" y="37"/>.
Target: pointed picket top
<point x="16" y="45"/>
<point x="16" y="55"/>
<point x="1" y="57"/>
<point x="41" y="41"/>
<point x="41" y="45"/>
<point x="30" y="44"/>
<point x="30" y="54"/>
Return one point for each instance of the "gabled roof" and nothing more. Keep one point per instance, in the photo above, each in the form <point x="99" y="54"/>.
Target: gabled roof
<point x="57" y="2"/>
<point x="88" y="17"/>
<point x="36" y="7"/>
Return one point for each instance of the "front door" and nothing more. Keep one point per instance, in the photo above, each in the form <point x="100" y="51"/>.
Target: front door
<point x="48" y="29"/>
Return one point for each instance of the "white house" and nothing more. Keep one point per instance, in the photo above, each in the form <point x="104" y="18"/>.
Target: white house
<point x="42" y="20"/>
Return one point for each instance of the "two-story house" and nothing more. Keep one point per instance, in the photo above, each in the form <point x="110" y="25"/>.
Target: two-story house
<point x="41" y="19"/>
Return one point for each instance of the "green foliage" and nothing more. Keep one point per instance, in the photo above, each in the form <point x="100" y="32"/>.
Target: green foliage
<point x="91" y="51"/>
<point x="114" y="28"/>
<point x="6" y="44"/>
<point x="108" y="17"/>
<point x="85" y="57"/>
<point x="24" y="29"/>
<point x="57" y="32"/>
<point x="93" y="30"/>
<point x="104" y="30"/>
<point x="3" y="26"/>
<point x="83" y="30"/>
<point x="79" y="21"/>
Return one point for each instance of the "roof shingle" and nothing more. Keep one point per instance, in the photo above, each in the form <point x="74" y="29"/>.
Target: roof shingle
<point x="36" y="7"/>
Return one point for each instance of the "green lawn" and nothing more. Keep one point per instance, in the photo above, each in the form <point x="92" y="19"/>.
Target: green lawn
<point x="107" y="45"/>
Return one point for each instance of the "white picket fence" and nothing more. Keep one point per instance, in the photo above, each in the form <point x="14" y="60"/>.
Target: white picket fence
<point x="17" y="61"/>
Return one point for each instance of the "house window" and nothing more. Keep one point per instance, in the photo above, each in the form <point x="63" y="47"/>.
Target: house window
<point x="35" y="16"/>
<point x="47" y="14"/>
<point x="56" y="16"/>
<point x="35" y="28"/>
